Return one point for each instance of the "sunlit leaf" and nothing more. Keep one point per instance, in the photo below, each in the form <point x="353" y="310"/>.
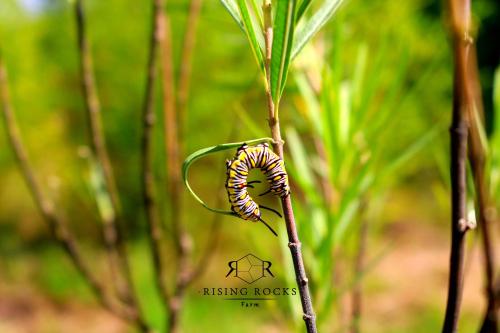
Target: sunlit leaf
<point x="232" y="8"/>
<point x="284" y="24"/>
<point x="314" y="24"/>
<point x="249" y="122"/>
<point x="300" y="160"/>
<point x="302" y="8"/>
<point x="254" y="33"/>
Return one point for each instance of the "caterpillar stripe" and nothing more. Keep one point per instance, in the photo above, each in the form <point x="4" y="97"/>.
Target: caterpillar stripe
<point x="247" y="158"/>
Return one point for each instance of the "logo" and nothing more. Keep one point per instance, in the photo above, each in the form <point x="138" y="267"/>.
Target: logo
<point x="250" y="268"/>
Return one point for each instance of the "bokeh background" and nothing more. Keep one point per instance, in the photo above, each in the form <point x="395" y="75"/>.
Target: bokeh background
<point x="381" y="70"/>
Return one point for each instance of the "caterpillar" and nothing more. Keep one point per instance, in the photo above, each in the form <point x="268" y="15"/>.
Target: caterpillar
<point x="273" y="167"/>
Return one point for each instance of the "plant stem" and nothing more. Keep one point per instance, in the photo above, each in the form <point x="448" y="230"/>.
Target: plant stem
<point x="112" y="235"/>
<point x="57" y="225"/>
<point x="477" y="159"/>
<point x="460" y="17"/>
<point x="186" y="64"/>
<point x="148" y="184"/>
<point x="286" y="202"/>
<point x="174" y="116"/>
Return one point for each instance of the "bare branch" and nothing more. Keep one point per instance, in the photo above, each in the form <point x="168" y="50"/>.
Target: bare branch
<point x="477" y="159"/>
<point x="113" y="236"/>
<point x="187" y="57"/>
<point x="174" y="113"/>
<point x="462" y="100"/>
<point x="149" y="120"/>
<point x="56" y="224"/>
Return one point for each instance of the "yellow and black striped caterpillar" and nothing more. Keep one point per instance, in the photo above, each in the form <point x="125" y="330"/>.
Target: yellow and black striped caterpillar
<point x="247" y="158"/>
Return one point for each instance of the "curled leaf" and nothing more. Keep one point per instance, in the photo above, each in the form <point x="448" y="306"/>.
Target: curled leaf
<point x="210" y="150"/>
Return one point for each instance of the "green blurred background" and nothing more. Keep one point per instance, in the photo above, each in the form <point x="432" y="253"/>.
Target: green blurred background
<point x="390" y="58"/>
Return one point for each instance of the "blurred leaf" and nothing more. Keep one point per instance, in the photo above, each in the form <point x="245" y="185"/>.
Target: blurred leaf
<point x="98" y="188"/>
<point x="315" y="23"/>
<point x="407" y="154"/>
<point x="284" y="24"/>
<point x="210" y="150"/>
<point x="232" y="8"/>
<point x="302" y="8"/>
<point x="495" y="139"/>
<point x="254" y="33"/>
<point x="344" y="114"/>
<point x="248" y="121"/>
<point x="304" y="174"/>
<point x="496" y="105"/>
<point x="312" y="110"/>
<point x="359" y="75"/>
<point x="258" y="15"/>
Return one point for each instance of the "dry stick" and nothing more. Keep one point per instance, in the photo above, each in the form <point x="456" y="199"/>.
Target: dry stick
<point x="111" y="232"/>
<point x="209" y="250"/>
<point x="186" y="64"/>
<point x="56" y="225"/>
<point x="113" y="237"/>
<point x="174" y="116"/>
<point x="490" y="321"/>
<point x="148" y="183"/>
<point x="477" y="158"/>
<point x="286" y="202"/>
<point x="462" y="99"/>
<point x="172" y="146"/>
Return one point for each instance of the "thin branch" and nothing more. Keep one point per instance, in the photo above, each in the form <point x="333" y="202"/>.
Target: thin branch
<point x="462" y="99"/>
<point x="477" y="159"/>
<point x="286" y="202"/>
<point x="173" y="151"/>
<point x="174" y="116"/>
<point x="148" y="118"/>
<point x="57" y="225"/>
<point x="111" y="232"/>
<point x="186" y="64"/>
<point x="208" y="251"/>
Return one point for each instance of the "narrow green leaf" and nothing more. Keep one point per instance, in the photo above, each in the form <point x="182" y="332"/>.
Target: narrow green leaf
<point x="359" y="75"/>
<point x="496" y="94"/>
<point x="258" y="13"/>
<point x="315" y="23"/>
<point x="344" y="114"/>
<point x="495" y="138"/>
<point x="97" y="185"/>
<point x="496" y="106"/>
<point x="312" y="109"/>
<point x="302" y="8"/>
<point x="407" y="154"/>
<point x="232" y="8"/>
<point x="251" y="28"/>
<point x="300" y="160"/>
<point x="248" y="122"/>
<point x="210" y="150"/>
<point x="284" y="24"/>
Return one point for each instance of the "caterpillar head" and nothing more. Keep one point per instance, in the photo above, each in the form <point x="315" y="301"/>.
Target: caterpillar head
<point x="243" y="147"/>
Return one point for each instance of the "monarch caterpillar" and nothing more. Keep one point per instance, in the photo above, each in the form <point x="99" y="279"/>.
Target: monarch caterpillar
<point x="273" y="167"/>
